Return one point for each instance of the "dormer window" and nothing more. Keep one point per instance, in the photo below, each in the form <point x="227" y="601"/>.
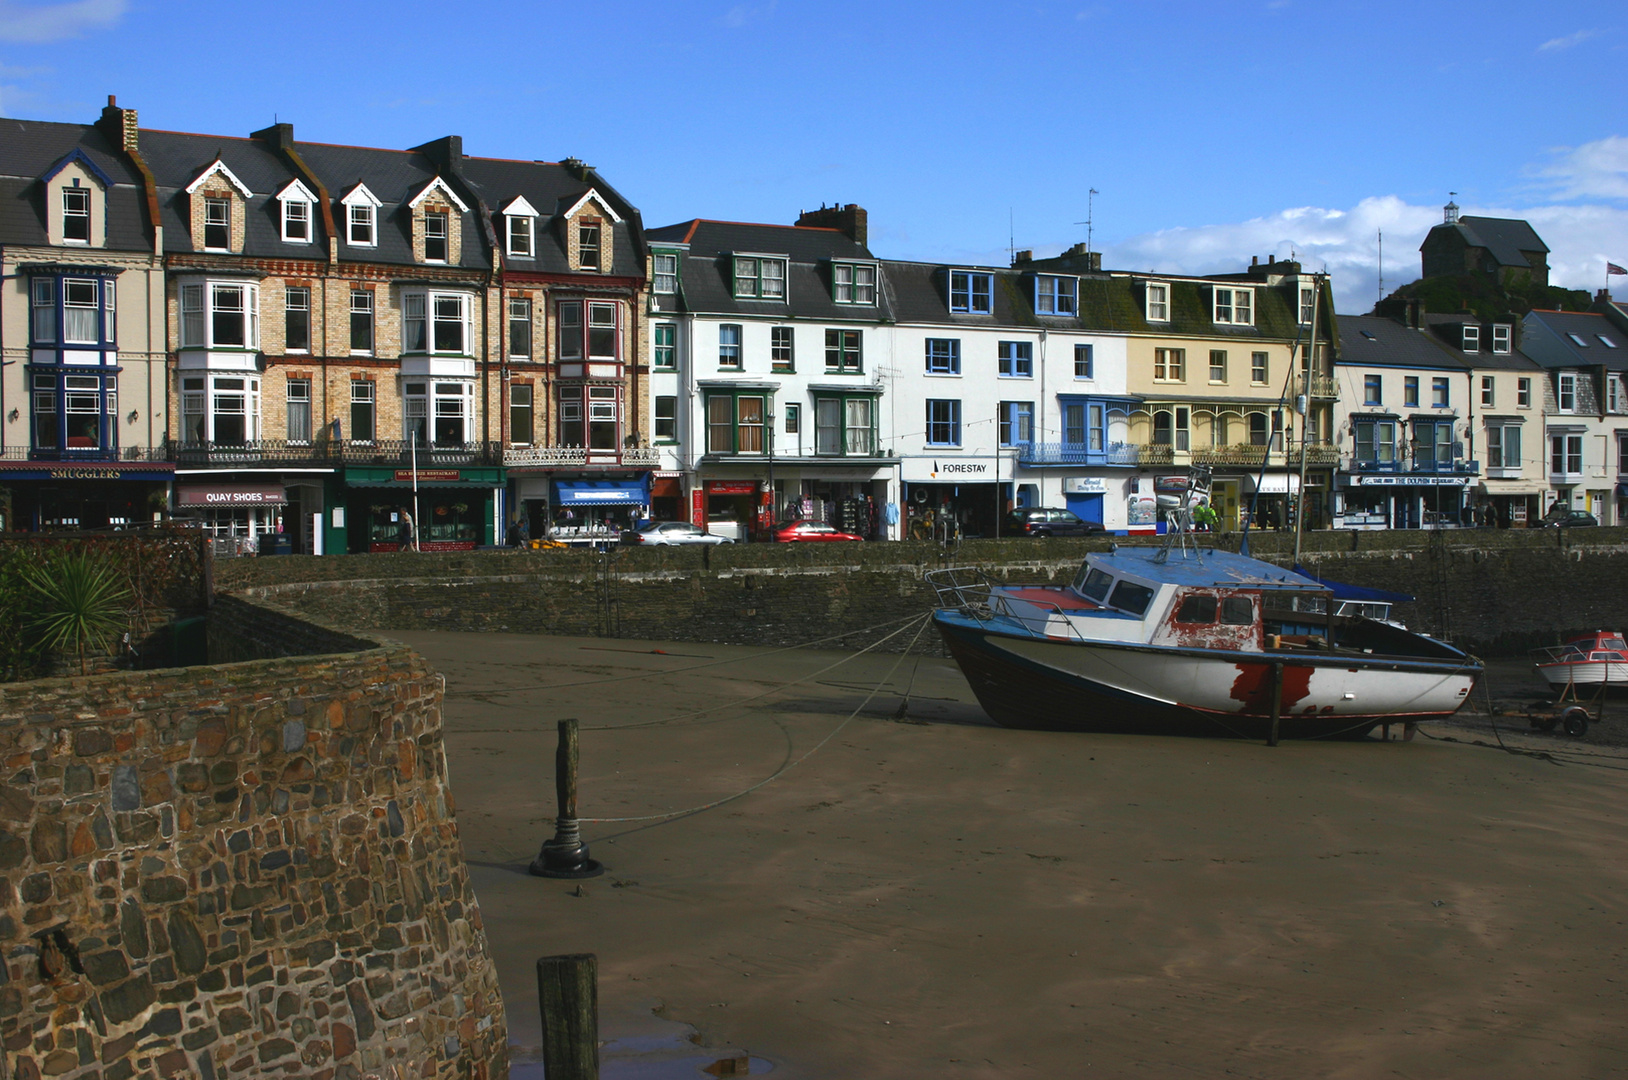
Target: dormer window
<point x="972" y="293"/>
<point x="76" y="215"/>
<point x="853" y="283"/>
<point x="1308" y="304"/>
<point x="588" y="245"/>
<point x="665" y="279"/>
<point x="1472" y="339"/>
<point x="1500" y="337"/>
<point x="520" y="237"/>
<point x="360" y="226"/>
<point x="1235" y="306"/>
<point x="1158" y="302"/>
<point x="296" y="199"/>
<point x="435" y="236"/>
<point x="217" y="223"/>
<point x="1056" y="295"/>
<point x="760" y="278"/>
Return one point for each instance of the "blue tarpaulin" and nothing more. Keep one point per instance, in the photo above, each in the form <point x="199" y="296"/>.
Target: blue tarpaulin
<point x="1342" y="591"/>
<point x="601" y="493"/>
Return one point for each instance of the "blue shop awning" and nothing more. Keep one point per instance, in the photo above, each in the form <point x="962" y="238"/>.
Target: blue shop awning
<point x="601" y="493"/>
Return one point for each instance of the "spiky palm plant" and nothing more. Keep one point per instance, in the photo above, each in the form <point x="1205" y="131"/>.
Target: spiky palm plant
<point x="80" y="601"/>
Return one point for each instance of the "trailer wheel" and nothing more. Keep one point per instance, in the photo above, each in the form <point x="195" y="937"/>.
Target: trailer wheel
<point x="1575" y="721"/>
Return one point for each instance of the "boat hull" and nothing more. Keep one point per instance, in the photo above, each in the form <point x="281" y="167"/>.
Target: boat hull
<point x="1023" y="681"/>
<point x="1612" y="673"/>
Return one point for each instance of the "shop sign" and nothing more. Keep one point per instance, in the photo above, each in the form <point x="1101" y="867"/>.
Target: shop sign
<point x="732" y="487"/>
<point x="1084" y="485"/>
<point x="85" y="472"/>
<point x="428" y="476"/>
<point x="1411" y="481"/>
<point x="230" y="495"/>
<point x="960" y="468"/>
<point x="1170" y="485"/>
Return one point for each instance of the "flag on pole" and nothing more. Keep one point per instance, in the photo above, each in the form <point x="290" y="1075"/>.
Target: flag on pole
<point x="1613" y="268"/>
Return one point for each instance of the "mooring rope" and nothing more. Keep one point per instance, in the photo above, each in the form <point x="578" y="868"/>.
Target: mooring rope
<point x="786" y="767"/>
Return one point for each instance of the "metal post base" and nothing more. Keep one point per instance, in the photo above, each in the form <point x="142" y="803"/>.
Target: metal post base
<point x="565" y="856"/>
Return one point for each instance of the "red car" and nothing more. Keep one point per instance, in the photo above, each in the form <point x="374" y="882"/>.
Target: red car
<point x="811" y="530"/>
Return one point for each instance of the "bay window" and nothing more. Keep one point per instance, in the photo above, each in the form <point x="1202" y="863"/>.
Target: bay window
<point x="1566" y="455"/>
<point x="736" y="423"/>
<point x="591" y="416"/>
<point x="436" y="322"/>
<point x="1503" y="446"/>
<point x="844" y="425"/>
<point x="220" y="410"/>
<point x="597" y="339"/>
<point x="437" y="413"/>
<point x="75" y="412"/>
<point x="220" y="315"/>
<point x="1376" y="442"/>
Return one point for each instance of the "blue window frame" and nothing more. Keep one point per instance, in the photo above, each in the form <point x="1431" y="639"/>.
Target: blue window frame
<point x="1085" y="362"/>
<point x="1016" y="423"/>
<point x="1055" y="295"/>
<point x="943" y="422"/>
<point x="1439" y="398"/>
<point x="943" y="356"/>
<point x="729" y="346"/>
<point x="1372" y="390"/>
<point x="1017" y="359"/>
<point x="972" y="293"/>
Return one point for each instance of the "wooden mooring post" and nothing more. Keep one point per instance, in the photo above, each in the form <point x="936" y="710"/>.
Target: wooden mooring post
<point x="568" y="996"/>
<point x="1277" y="702"/>
<point x="566" y="856"/>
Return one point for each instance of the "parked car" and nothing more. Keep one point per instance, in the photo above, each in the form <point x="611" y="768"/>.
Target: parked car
<point x="1044" y="521"/>
<point x="811" y="530"/>
<point x="1564" y="517"/>
<point x="670" y="533"/>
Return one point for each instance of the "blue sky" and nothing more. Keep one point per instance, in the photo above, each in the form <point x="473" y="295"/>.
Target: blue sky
<point x="1211" y="132"/>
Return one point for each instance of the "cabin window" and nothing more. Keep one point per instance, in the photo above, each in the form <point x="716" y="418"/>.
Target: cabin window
<point x="1131" y="598"/>
<point x="1197" y="609"/>
<point x="1614" y="643"/>
<point x="1238" y="611"/>
<point x="1093" y="584"/>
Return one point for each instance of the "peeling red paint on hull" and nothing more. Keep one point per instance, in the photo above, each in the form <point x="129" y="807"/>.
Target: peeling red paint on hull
<point x="1253" y="687"/>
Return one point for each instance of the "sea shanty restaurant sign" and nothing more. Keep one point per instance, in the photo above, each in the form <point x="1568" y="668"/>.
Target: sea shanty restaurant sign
<point x="230" y="495"/>
<point x="428" y="476"/>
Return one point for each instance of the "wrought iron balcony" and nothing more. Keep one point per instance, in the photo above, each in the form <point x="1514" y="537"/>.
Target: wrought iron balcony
<point x="1073" y="453"/>
<point x="547" y="457"/>
<point x="1324" y="387"/>
<point x="396" y="452"/>
<point x="76" y="453"/>
<point x="1412" y="465"/>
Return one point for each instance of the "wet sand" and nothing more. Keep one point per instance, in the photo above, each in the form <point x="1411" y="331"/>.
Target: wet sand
<point x="939" y="896"/>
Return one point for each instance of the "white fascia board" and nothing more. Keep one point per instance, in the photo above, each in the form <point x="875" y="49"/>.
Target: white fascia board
<point x="219" y="166"/>
<point x="520" y="208"/>
<point x="592" y="195"/>
<point x="296" y="192"/>
<point x="438" y="184"/>
<point x="361" y="196"/>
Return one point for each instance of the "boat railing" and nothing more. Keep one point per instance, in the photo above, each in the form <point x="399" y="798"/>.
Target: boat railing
<point x="969" y="590"/>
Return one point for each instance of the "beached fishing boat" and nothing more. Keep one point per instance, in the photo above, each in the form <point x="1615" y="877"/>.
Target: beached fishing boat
<point x="1595" y="660"/>
<point x="1190" y="641"/>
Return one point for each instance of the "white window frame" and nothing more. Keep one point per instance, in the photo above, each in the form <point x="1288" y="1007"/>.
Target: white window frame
<point x="76" y="213"/>
<point x="212" y="202"/>
<point x="200" y="301"/>
<point x="1503" y="336"/>
<point x="1613" y="393"/>
<point x="1523" y="393"/>
<point x="1308" y="304"/>
<point x="1489" y="391"/>
<point x="445" y="219"/>
<point x="428" y="400"/>
<point x="1056" y="294"/>
<point x="753" y="279"/>
<point x="211" y="395"/>
<point x="297" y="399"/>
<point x="976" y="288"/>
<point x="853" y="283"/>
<point x="1232" y="306"/>
<point x="90" y="314"/>
<point x="1260" y="363"/>
<point x="1157" y="301"/>
<point x="1504" y="446"/>
<point x="1471" y="340"/>
<point x="1566" y="392"/>
<point x="664" y="273"/>
<point x="297" y="207"/>
<point x="361" y="208"/>
<point x="430" y="309"/>
<point x="520" y="236"/>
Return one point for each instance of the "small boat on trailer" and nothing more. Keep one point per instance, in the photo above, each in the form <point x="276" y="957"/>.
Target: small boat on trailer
<point x="1191" y="641"/>
<point x="1597" y="661"/>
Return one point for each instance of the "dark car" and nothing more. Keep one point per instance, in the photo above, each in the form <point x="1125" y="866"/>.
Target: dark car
<point x="1564" y="517"/>
<point x="1043" y="521"/>
<point x="802" y="531"/>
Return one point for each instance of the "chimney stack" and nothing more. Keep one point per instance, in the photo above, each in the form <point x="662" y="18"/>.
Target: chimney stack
<point x="1021" y="257"/>
<point x="850" y="220"/>
<point x="119" y="125"/>
<point x="278" y="136"/>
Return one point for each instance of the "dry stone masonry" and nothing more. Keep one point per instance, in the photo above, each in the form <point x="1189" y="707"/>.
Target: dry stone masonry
<point x="249" y="869"/>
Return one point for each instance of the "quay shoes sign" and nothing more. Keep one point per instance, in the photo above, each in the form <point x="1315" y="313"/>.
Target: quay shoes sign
<point x="230" y="495"/>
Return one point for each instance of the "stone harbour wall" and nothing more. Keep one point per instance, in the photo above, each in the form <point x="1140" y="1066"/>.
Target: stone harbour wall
<point x="247" y="869"/>
<point x="1497" y="592"/>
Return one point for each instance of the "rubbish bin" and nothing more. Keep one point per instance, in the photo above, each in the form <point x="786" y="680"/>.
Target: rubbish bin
<point x="277" y="544"/>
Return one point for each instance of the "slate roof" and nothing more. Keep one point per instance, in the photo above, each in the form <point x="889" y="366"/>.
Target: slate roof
<point x="706" y="272"/>
<point x="551" y="189"/>
<point x="1449" y="329"/>
<point x="1558" y="350"/>
<point x="1504" y="238"/>
<point x="29" y="148"/>
<point x="1374" y="341"/>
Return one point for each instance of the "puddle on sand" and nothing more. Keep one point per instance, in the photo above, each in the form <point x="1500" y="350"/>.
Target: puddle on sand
<point x="665" y="1050"/>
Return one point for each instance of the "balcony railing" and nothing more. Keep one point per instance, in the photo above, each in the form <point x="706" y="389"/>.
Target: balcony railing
<point x="547" y="457"/>
<point x="1249" y="455"/>
<point x="1407" y="464"/>
<point x="274" y="452"/>
<point x="1318" y="386"/>
<point x="1067" y="453"/>
<point x="117" y="453"/>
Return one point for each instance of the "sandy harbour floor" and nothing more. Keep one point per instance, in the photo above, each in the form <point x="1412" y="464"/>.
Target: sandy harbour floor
<point x="938" y="896"/>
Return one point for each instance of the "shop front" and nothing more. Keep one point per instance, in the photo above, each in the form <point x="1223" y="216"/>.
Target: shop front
<point x="247" y="513"/>
<point x="955" y="497"/>
<point x="47" y="496"/>
<point x="456" y="508"/>
<point x="596" y="510"/>
<point x="1401" y="501"/>
<point x="738" y="509"/>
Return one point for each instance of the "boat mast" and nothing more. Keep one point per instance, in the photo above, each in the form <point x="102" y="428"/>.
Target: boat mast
<point x="1305" y="413"/>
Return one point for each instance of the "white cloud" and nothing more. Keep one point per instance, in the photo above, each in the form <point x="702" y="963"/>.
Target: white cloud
<point x="1560" y="43"/>
<point x="1346" y="243"/>
<point x="742" y="14"/>
<point x="1592" y="171"/>
<point x="37" y="23"/>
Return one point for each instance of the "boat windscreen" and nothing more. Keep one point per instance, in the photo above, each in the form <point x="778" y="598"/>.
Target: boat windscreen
<point x="1613" y="643"/>
<point x="1131" y="598"/>
<point x="1093" y="584"/>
